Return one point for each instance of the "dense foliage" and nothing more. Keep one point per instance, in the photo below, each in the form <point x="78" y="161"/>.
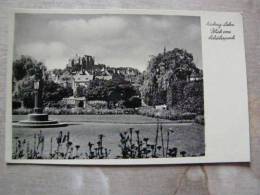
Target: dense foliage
<point x="113" y="92"/>
<point x="53" y="92"/>
<point x="27" y="70"/>
<point x="167" y="81"/>
<point x="25" y="67"/>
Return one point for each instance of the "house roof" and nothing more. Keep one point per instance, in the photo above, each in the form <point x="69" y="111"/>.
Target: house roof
<point x="83" y="77"/>
<point x="102" y="73"/>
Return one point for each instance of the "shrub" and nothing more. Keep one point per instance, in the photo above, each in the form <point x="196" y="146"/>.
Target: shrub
<point x="193" y="98"/>
<point x="133" y="102"/>
<point x="200" y="119"/>
<point x="81" y="111"/>
<point x="16" y="104"/>
<point x="98" y="104"/>
<point x="171" y="114"/>
<point x="21" y="111"/>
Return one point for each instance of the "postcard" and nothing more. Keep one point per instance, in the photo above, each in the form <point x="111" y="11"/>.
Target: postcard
<point x="126" y="87"/>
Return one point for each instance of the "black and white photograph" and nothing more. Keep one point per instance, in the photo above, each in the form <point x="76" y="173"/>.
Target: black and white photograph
<point x="118" y="97"/>
<point x="107" y="86"/>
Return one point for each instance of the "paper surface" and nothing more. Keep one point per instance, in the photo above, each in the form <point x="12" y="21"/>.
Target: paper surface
<point x="224" y="81"/>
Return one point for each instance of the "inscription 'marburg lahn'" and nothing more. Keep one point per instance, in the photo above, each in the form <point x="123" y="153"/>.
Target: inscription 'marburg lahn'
<point x="221" y="31"/>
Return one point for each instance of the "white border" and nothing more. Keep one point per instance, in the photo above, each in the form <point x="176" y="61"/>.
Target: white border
<point x="209" y="158"/>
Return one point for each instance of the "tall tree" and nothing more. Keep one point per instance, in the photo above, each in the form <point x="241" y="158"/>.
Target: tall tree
<point x="166" y="76"/>
<point x="26" y="70"/>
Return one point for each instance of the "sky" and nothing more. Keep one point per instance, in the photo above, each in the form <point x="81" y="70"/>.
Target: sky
<point x="114" y="40"/>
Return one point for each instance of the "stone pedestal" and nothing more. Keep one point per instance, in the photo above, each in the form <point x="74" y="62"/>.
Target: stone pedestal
<point x="39" y="120"/>
<point x="38" y="117"/>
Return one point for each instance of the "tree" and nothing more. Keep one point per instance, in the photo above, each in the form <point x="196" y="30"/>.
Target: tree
<point x="111" y="91"/>
<point x="193" y="98"/>
<point x="32" y="70"/>
<point x="80" y="91"/>
<point x="58" y="72"/>
<point x="133" y="102"/>
<point x="24" y="92"/>
<point x="19" y="67"/>
<point x="166" y="76"/>
<point x="53" y="92"/>
<point x="26" y="71"/>
<point x="26" y="66"/>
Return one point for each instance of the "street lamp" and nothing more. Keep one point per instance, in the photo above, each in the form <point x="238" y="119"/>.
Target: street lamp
<point x="38" y="119"/>
<point x="36" y="86"/>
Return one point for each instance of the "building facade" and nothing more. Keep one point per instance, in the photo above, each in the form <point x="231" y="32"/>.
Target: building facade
<point x="81" y="80"/>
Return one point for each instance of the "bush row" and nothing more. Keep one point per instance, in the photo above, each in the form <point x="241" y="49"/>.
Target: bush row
<point x="21" y="111"/>
<point x="145" y="111"/>
<point x="166" y="114"/>
<point x="76" y="111"/>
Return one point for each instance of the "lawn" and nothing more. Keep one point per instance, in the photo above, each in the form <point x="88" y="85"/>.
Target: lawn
<point x="187" y="137"/>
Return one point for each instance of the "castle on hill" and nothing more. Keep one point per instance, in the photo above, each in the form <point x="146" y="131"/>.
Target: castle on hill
<point x="80" y="70"/>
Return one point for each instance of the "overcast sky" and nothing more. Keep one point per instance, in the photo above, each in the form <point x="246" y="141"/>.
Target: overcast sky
<point x="115" y="40"/>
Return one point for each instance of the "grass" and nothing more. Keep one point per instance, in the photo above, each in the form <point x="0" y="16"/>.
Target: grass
<point x="187" y="137"/>
<point x="136" y="119"/>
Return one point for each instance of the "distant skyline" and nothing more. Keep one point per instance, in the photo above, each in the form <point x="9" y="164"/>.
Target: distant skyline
<point x="114" y="40"/>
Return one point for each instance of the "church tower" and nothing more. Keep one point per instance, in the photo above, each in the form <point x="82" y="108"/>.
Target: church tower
<point x="164" y="50"/>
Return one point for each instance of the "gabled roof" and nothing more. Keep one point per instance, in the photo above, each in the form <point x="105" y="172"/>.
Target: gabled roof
<point x="103" y="72"/>
<point x="82" y="77"/>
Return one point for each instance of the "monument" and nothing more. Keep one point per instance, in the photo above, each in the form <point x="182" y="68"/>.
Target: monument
<point x="38" y="119"/>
